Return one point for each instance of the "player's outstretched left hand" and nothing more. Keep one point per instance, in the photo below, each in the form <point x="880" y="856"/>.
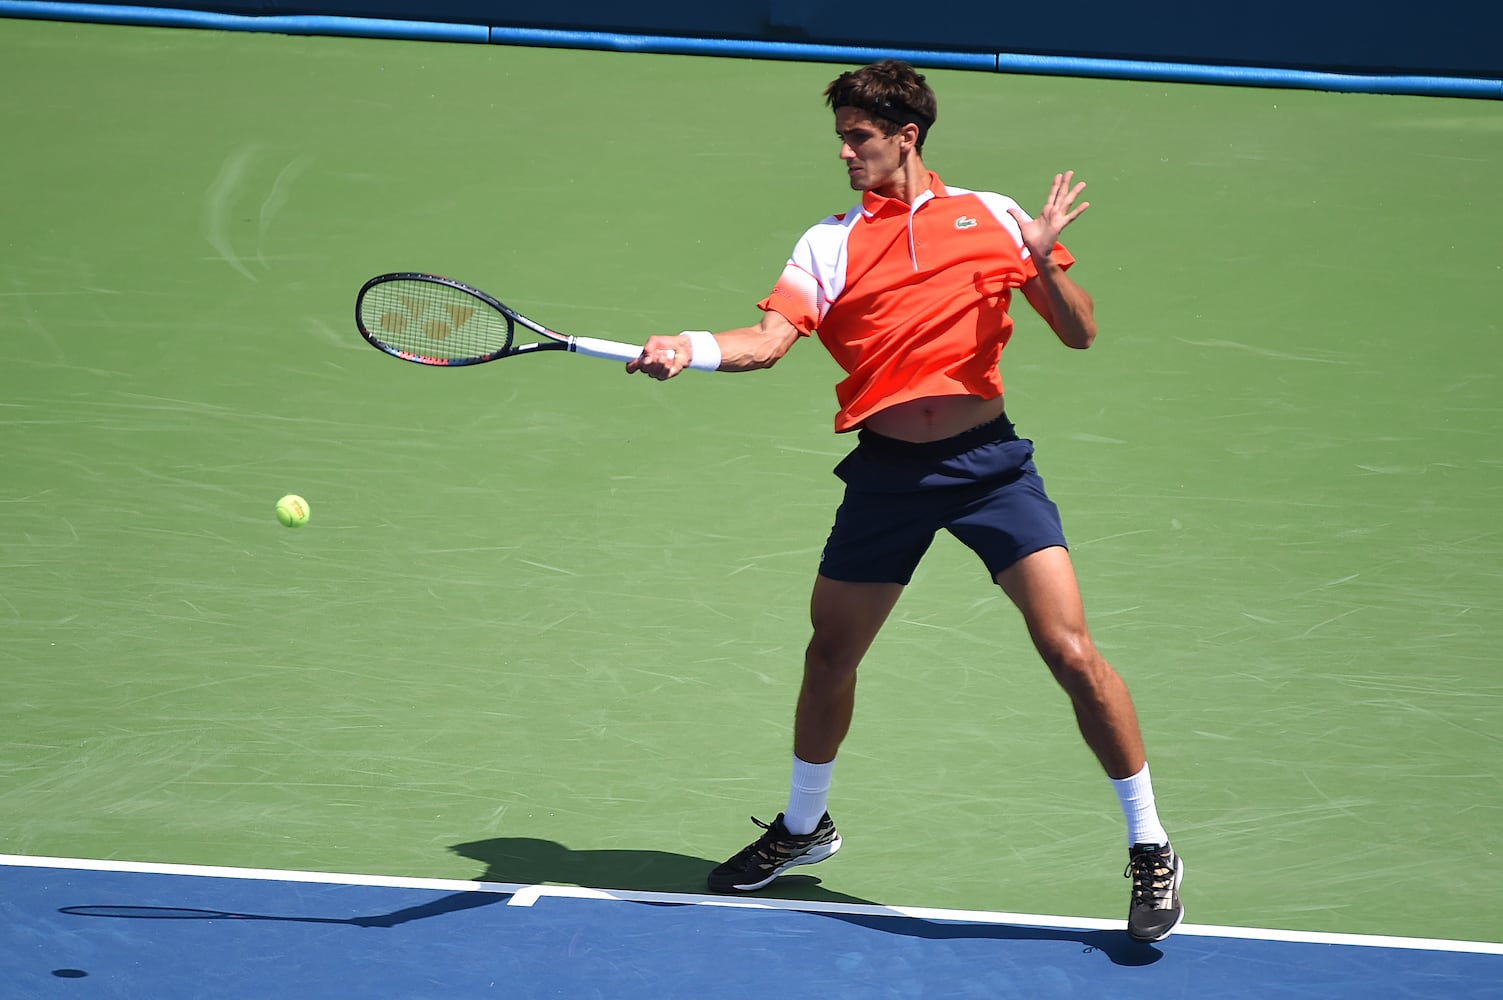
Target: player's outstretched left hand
<point x="1042" y="232"/>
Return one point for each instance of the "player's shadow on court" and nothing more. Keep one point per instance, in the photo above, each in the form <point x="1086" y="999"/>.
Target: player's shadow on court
<point x="1115" y="945"/>
<point x="532" y="861"/>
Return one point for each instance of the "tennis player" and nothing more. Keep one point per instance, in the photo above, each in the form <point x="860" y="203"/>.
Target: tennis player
<point x="909" y="291"/>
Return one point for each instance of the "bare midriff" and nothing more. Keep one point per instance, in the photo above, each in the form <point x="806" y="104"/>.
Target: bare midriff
<point x="933" y="418"/>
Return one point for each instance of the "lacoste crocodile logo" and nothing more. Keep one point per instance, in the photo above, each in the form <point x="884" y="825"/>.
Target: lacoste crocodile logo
<point x="965" y="222"/>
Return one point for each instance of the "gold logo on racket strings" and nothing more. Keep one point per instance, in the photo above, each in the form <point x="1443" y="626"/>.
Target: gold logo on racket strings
<point x="409" y="309"/>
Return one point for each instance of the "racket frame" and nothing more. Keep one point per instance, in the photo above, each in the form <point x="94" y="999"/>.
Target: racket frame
<point x="591" y="346"/>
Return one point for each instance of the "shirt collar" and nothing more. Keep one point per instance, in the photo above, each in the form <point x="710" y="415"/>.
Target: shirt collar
<point x="875" y="204"/>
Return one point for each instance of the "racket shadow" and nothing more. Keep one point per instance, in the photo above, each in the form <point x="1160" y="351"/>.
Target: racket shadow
<point x="453" y="903"/>
<point x="534" y="861"/>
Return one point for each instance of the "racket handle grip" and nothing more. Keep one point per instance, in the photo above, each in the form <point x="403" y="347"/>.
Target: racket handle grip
<point x="611" y="350"/>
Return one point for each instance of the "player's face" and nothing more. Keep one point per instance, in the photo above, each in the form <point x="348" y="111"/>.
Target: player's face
<point x="872" y="160"/>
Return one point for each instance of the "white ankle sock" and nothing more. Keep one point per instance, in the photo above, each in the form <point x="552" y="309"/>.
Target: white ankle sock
<point x="808" y="793"/>
<point x="1136" y="796"/>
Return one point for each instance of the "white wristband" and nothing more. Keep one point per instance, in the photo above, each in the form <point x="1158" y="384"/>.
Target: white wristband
<point x="704" y="350"/>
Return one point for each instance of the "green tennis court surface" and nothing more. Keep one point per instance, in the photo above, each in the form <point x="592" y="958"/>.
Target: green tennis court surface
<point x="543" y="603"/>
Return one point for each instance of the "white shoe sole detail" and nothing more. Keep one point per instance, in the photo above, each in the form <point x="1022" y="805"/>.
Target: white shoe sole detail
<point x="814" y="856"/>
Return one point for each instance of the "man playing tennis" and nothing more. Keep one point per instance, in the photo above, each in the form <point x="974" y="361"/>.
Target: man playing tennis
<point x="909" y="292"/>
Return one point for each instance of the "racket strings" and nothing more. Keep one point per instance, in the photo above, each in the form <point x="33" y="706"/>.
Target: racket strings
<point x="434" y="321"/>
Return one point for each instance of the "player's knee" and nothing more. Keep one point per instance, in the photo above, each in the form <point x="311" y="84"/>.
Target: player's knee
<point x="1073" y="660"/>
<point x="829" y="663"/>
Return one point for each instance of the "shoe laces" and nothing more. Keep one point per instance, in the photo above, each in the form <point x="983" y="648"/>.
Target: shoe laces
<point x="766" y="846"/>
<point x="1152" y="874"/>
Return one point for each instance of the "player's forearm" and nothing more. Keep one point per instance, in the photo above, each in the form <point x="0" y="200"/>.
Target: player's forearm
<point x="741" y="350"/>
<point x="749" y="348"/>
<point x="1070" y="311"/>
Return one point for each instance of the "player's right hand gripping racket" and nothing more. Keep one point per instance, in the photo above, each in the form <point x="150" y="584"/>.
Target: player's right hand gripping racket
<point x="431" y="320"/>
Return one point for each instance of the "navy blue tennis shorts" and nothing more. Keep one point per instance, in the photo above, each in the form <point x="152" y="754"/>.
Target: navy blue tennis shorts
<point x="980" y="486"/>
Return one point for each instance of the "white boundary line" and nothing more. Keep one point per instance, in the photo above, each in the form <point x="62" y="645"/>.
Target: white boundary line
<point x="527" y="895"/>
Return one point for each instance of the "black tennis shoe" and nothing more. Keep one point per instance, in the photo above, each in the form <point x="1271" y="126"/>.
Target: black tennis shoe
<point x="773" y="853"/>
<point x="1155" y="909"/>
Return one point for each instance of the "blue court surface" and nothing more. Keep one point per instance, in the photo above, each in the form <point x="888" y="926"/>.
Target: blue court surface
<point x="115" y="929"/>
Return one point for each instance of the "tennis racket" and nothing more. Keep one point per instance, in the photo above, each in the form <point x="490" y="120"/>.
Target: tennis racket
<point x="431" y="320"/>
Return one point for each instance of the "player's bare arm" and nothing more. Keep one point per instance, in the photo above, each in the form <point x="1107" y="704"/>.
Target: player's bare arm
<point x="744" y="349"/>
<point x="1063" y="304"/>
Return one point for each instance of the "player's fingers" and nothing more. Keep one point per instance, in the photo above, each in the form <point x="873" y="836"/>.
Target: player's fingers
<point x="656" y="362"/>
<point x="649" y="362"/>
<point x="662" y="367"/>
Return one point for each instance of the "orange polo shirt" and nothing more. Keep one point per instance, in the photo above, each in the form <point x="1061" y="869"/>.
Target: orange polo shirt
<point x="911" y="301"/>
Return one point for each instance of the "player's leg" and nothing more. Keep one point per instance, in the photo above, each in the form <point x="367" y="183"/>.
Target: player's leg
<point x="846" y="617"/>
<point x="1045" y="590"/>
<point x="1043" y="586"/>
<point x="882" y="529"/>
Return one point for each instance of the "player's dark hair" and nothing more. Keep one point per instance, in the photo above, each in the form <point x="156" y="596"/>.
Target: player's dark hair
<point x="891" y="91"/>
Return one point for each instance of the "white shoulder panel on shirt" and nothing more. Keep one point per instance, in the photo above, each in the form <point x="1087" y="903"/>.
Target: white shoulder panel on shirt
<point x="821" y="252"/>
<point x="998" y="204"/>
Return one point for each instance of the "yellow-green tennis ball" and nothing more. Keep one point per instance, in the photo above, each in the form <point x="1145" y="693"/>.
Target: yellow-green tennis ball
<point x="292" y="511"/>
